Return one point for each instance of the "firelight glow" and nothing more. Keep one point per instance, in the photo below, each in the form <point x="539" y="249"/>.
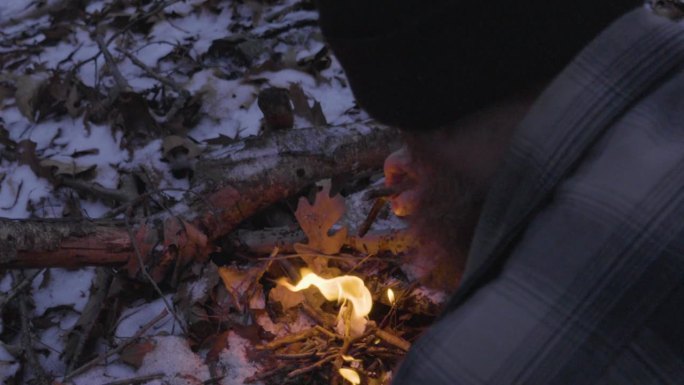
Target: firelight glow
<point x="350" y="375"/>
<point x="390" y="296"/>
<point x="341" y="289"/>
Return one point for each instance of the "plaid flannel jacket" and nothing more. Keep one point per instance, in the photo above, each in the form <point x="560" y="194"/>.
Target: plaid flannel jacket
<point x="576" y="273"/>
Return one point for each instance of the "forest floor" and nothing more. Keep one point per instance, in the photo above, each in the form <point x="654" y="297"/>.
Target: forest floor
<point x="107" y="109"/>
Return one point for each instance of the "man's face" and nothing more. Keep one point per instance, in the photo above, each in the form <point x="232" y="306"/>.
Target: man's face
<point x="441" y="202"/>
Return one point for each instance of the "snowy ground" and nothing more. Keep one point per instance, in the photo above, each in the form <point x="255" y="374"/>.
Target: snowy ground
<point x="185" y="42"/>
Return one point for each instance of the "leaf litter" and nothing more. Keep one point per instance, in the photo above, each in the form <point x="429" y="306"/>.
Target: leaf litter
<point x="103" y="101"/>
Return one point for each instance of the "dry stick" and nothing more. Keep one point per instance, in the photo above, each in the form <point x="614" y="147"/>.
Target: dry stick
<point x="137" y="380"/>
<point x="309" y="368"/>
<point x="160" y="6"/>
<point x="86" y="322"/>
<point x="345" y="345"/>
<point x="326" y="331"/>
<point x="121" y="82"/>
<point x="372" y="215"/>
<point x="322" y="318"/>
<point x="266" y="374"/>
<point x="147" y="275"/>
<point x="151" y="73"/>
<point x="27" y="339"/>
<point x="287" y="339"/>
<point x="393" y="340"/>
<point x="213" y="380"/>
<point x="6" y="298"/>
<point x="183" y="94"/>
<point x="118" y="349"/>
<point x="97" y="190"/>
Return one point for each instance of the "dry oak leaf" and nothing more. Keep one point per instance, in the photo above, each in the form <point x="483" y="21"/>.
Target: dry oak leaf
<point x="135" y="353"/>
<point x="316" y="221"/>
<point x="286" y="297"/>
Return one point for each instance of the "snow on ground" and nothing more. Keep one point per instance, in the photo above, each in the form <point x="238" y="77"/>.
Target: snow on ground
<point x="135" y="316"/>
<point x="178" y="45"/>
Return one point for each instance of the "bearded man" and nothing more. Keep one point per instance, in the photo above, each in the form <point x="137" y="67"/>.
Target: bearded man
<point x="546" y="155"/>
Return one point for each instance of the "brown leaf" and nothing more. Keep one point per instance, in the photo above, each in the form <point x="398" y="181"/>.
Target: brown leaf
<point x="287" y="298"/>
<point x="316" y="221"/>
<point x="28" y="92"/>
<point x="239" y="283"/>
<point x="218" y="343"/>
<point x="26" y="155"/>
<point x="135" y="353"/>
<point x="314" y="115"/>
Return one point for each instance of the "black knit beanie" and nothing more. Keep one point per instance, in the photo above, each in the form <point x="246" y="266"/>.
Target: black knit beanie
<point x="420" y="64"/>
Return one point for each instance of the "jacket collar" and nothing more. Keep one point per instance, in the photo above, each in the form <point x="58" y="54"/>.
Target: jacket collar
<point x="618" y="68"/>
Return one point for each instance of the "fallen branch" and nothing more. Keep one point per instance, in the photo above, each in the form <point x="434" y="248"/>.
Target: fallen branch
<point x="234" y="183"/>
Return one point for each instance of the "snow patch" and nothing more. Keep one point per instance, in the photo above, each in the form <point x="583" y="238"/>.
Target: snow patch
<point x="132" y="319"/>
<point x="237" y="367"/>
<point x="8" y="365"/>
<point x="64" y="287"/>
<point x="172" y="356"/>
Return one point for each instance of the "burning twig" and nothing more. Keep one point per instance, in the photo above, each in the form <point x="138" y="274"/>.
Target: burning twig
<point x="374" y="211"/>
<point x="388" y="191"/>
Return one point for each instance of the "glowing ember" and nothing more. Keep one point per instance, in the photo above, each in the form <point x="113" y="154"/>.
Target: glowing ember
<point x="350" y="375"/>
<point x="342" y="289"/>
<point x="390" y="296"/>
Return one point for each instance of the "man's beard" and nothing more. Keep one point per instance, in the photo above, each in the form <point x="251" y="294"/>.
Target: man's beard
<point x="445" y="217"/>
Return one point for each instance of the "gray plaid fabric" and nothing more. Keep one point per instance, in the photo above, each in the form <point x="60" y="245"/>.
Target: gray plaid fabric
<point x="576" y="274"/>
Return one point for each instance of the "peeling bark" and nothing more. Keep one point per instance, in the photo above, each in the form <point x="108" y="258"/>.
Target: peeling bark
<point x="231" y="184"/>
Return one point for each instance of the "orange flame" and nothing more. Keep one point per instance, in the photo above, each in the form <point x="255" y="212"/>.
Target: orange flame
<point x="350" y="375"/>
<point x="344" y="288"/>
<point x="390" y="296"/>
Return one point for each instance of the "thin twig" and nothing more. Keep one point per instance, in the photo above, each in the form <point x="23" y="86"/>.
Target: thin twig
<point x="288" y="339"/>
<point x="266" y="374"/>
<point x="153" y="74"/>
<point x="5" y="298"/>
<point x="27" y="339"/>
<point x="137" y="380"/>
<point x="393" y="340"/>
<point x="121" y="83"/>
<point x="372" y="215"/>
<point x="147" y="275"/>
<point x="78" y="336"/>
<point x="309" y="368"/>
<point x="118" y="349"/>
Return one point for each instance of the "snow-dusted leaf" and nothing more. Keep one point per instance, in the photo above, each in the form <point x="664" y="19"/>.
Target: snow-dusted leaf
<point x="66" y="168"/>
<point x="174" y="146"/>
<point x="313" y="114"/>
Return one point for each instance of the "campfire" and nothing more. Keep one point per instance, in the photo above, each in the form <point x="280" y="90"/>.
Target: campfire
<point x="339" y="316"/>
